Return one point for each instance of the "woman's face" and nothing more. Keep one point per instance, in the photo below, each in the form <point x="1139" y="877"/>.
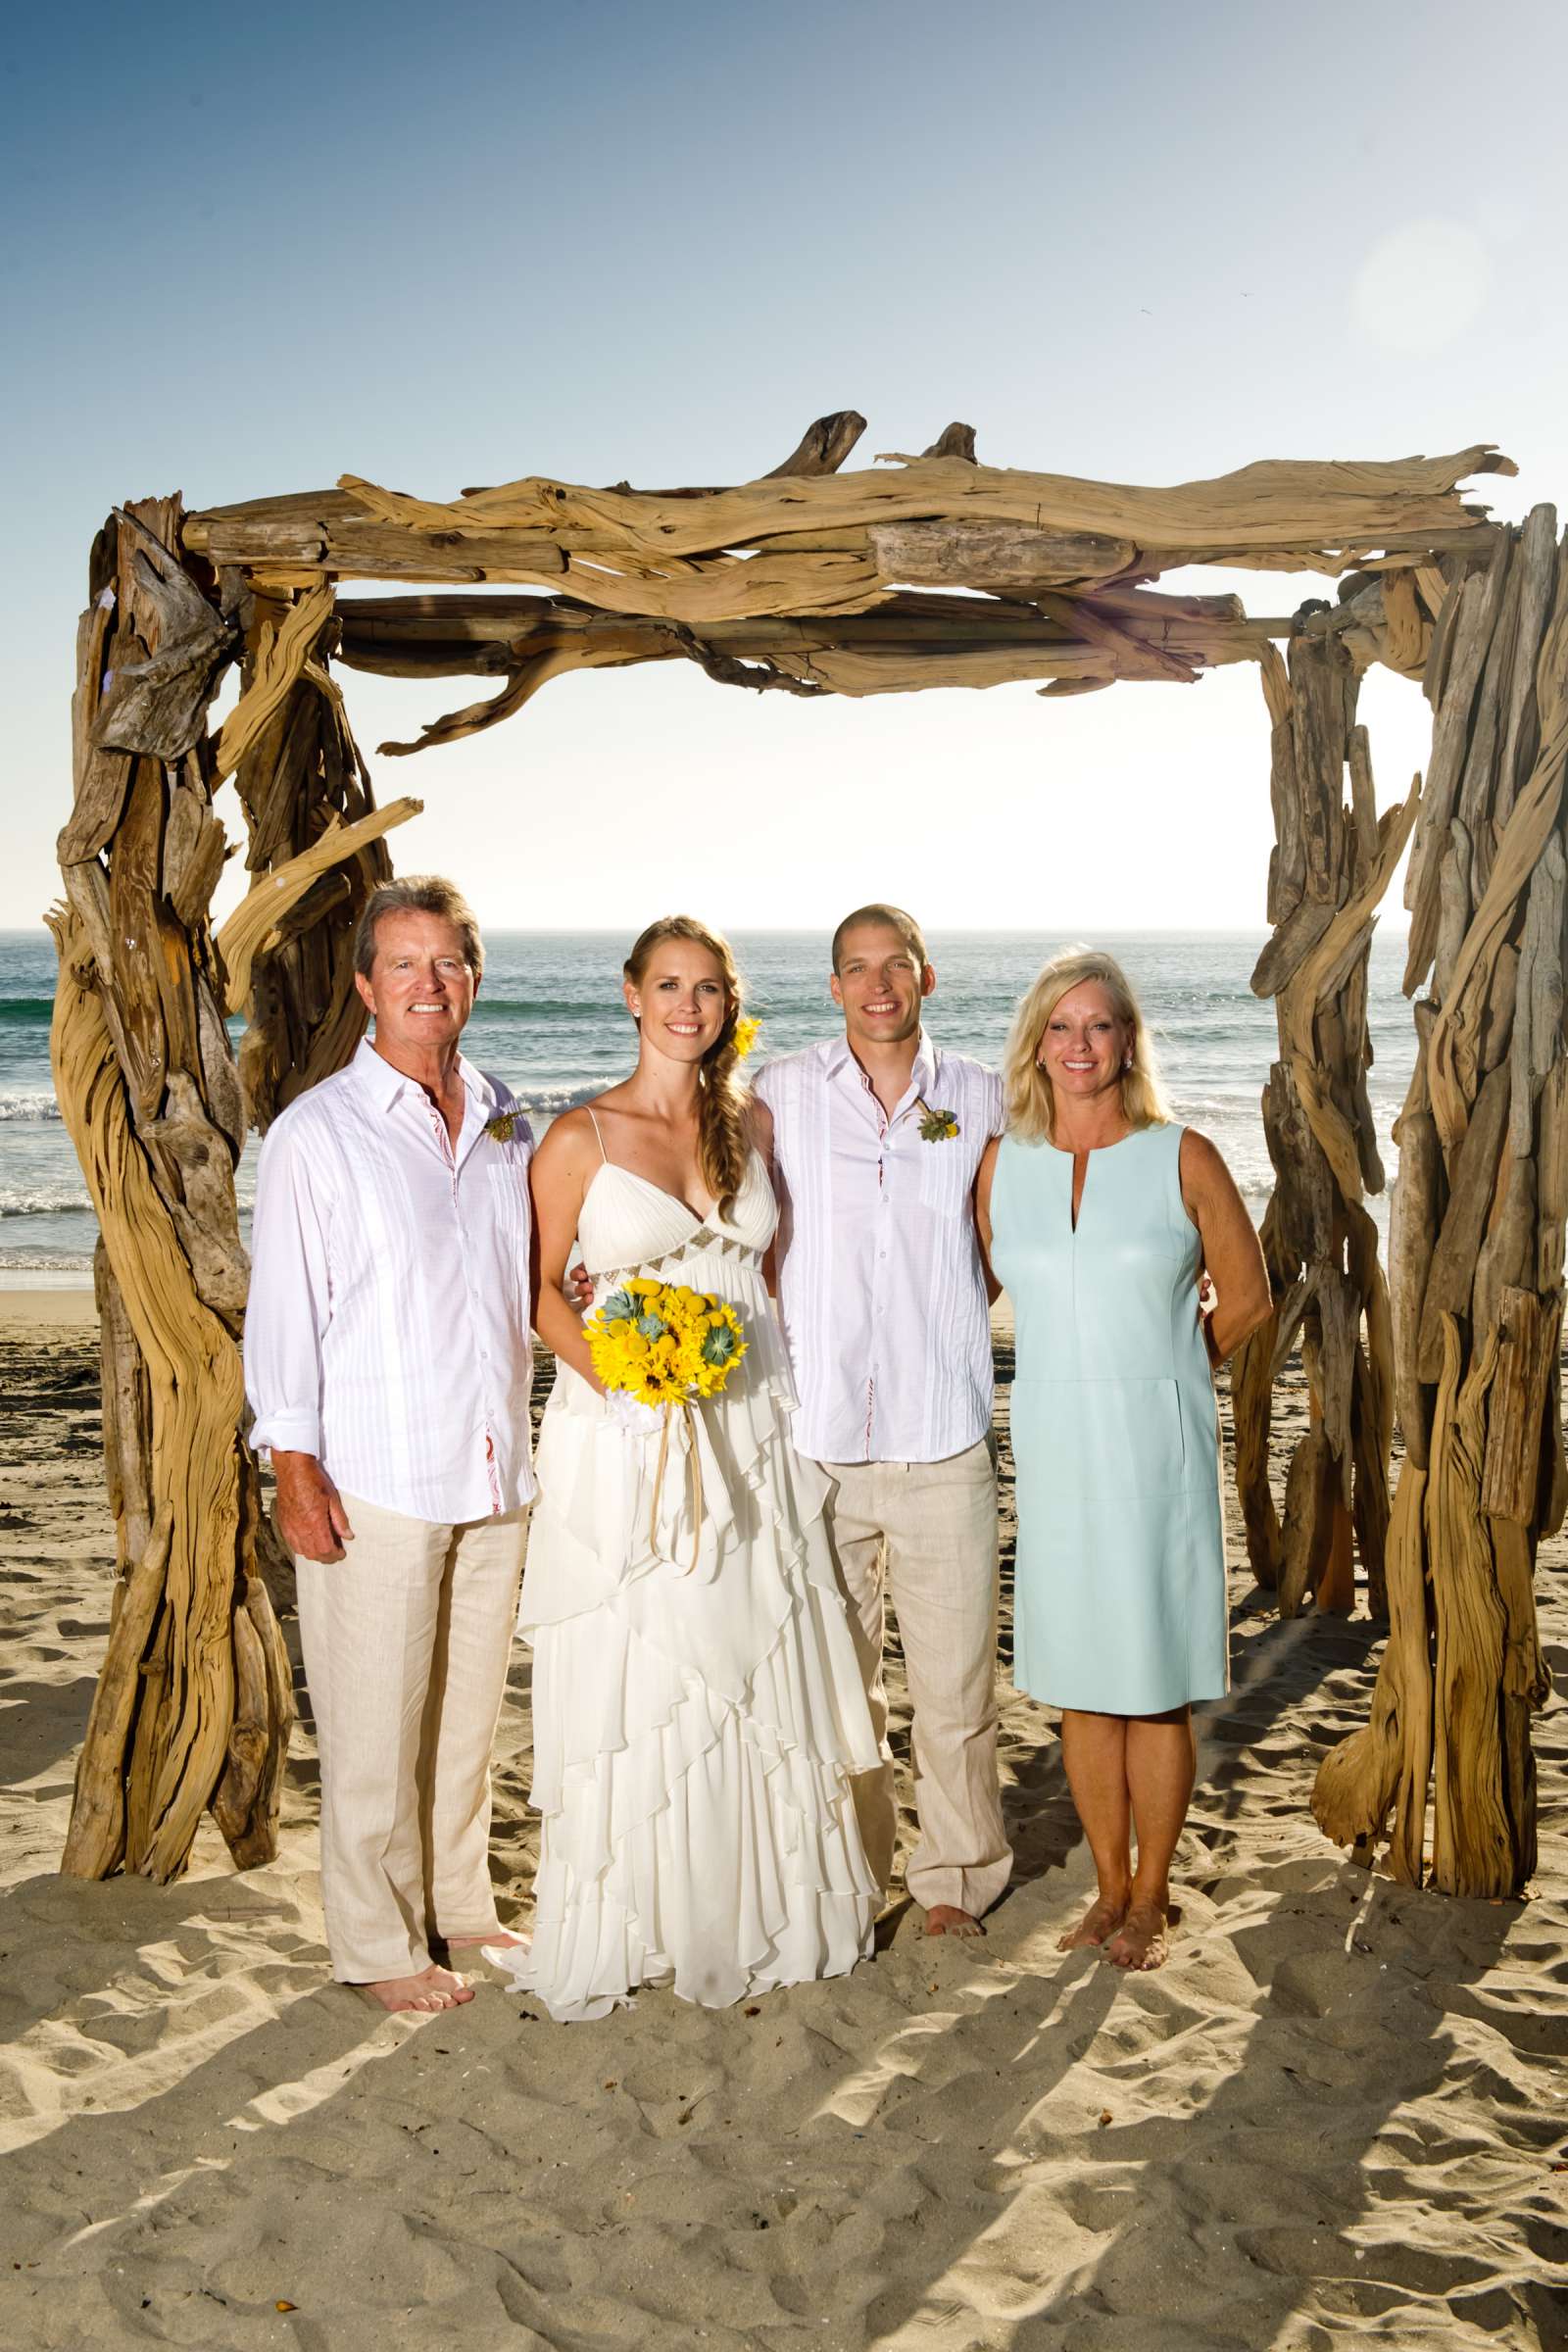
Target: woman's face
<point x="1084" y="1043"/>
<point x="680" y="1001"/>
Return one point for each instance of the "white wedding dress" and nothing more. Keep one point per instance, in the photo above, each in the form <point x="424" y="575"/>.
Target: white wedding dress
<point x="694" y="1725"/>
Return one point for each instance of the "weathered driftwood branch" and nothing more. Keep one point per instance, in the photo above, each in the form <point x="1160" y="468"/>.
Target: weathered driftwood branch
<point x="1332" y="863"/>
<point x="823" y="446"/>
<point x="159" y="1740"/>
<point x="1282" y="514"/>
<point x="521" y="687"/>
<point x="954" y="441"/>
<point x="149" y="1093"/>
<point x="285" y="640"/>
<point x="301" y="777"/>
<point x="159" y="706"/>
<point x="148" y="1084"/>
<point x="725" y="670"/>
<point x="1276" y="504"/>
<point x="914" y="641"/>
<point x="255" y="926"/>
<point x="1478" y="1247"/>
<point x="439" y="636"/>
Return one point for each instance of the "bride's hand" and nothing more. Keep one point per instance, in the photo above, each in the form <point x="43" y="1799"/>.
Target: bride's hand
<point x="639" y="1420"/>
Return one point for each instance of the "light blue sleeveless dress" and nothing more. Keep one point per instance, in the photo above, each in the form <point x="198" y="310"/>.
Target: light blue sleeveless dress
<point x="1121" y="1580"/>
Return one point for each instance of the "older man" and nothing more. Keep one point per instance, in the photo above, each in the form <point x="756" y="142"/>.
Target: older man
<point x="387" y="1358"/>
<point x="883" y="1289"/>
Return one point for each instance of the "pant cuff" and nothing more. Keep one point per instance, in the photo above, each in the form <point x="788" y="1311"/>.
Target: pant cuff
<point x="356" y="1969"/>
<point x="973" y="1892"/>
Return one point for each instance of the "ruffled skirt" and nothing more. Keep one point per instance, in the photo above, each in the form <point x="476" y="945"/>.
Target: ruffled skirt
<point x="698" y="1708"/>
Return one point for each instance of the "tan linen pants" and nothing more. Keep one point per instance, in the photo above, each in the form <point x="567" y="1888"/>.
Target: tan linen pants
<point x="406" y="1647"/>
<point x="926" y="1532"/>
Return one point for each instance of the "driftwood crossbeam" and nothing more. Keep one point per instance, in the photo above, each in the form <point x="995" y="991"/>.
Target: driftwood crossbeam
<point x="923" y="572"/>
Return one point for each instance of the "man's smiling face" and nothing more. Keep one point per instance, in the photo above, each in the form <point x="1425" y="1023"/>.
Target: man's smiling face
<point x="421" y="985"/>
<point x="881" y="985"/>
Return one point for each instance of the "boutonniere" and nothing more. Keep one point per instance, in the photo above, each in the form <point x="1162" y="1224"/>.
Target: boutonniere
<point x="938" y="1126"/>
<point x="503" y="1127"/>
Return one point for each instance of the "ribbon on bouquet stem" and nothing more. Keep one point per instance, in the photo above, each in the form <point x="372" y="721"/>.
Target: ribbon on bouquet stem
<point x="695" y="1470"/>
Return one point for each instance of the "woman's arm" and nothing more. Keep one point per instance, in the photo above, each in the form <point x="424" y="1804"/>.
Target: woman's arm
<point x="761" y="1123"/>
<point x="559" y="1178"/>
<point x="982" y="1214"/>
<point x="762" y="1137"/>
<point x="1232" y="1255"/>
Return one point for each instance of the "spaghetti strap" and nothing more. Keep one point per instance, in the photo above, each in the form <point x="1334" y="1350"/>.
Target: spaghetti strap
<point x="603" y="1153"/>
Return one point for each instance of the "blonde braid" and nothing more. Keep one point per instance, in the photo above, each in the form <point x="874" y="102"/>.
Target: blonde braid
<point x="725" y="1121"/>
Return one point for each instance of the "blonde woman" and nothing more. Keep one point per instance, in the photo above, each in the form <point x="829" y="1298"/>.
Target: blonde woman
<point x="698" y="1708"/>
<point x="1101" y="1217"/>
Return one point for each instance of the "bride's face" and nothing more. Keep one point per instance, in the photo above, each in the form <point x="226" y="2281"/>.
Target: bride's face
<point x="680" y="999"/>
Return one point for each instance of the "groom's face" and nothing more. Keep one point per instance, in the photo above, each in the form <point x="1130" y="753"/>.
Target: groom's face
<point x="421" y="985"/>
<point x="881" y="985"/>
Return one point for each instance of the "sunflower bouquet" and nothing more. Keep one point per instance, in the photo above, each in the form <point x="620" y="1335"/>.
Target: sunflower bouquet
<point x="667" y="1347"/>
<point x="664" y="1344"/>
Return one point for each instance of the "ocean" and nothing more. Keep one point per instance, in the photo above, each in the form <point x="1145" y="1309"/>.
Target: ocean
<point x="550" y="1020"/>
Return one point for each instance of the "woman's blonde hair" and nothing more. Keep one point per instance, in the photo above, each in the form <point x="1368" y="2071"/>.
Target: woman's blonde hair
<point x="1027" y="1088"/>
<point x="723" y="1124"/>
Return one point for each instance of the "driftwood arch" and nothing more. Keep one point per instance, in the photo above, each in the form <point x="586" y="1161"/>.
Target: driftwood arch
<point x="932" y="570"/>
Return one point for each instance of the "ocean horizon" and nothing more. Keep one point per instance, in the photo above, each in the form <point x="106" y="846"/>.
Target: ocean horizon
<point x="548" y="1019"/>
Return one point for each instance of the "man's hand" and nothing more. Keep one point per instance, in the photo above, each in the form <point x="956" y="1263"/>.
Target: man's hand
<point x="580" y="1288"/>
<point x="309" y="1509"/>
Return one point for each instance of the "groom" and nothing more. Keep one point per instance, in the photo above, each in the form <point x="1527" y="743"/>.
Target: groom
<point x="884" y="1295"/>
<point x="387" y="1360"/>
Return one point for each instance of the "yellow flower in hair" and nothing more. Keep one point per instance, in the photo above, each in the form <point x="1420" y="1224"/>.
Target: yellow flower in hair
<point x="747" y="1031"/>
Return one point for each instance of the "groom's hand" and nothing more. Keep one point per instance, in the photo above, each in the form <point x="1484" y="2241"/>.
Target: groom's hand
<point x="309" y="1509"/>
<point x="579" y="1288"/>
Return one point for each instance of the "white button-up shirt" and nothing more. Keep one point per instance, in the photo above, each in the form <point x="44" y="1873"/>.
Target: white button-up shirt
<point x="388" y="1328"/>
<point x="881" y="1287"/>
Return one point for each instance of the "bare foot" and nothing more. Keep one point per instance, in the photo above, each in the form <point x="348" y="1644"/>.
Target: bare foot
<point x="946" y="1919"/>
<point x="1144" y="1939"/>
<point x="499" y="1939"/>
<point x="432" y="1988"/>
<point x="1103" y="1918"/>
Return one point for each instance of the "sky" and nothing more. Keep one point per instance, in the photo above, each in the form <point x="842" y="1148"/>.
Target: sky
<point x="247" y="252"/>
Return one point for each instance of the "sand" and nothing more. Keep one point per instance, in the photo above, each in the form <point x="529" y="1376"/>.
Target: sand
<point x="1339" y="2114"/>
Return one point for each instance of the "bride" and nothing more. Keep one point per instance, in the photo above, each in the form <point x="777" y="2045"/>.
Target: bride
<point x="697" y="1706"/>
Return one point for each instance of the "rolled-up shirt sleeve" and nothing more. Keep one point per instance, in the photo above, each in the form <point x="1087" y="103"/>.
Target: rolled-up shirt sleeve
<point x="290" y="1298"/>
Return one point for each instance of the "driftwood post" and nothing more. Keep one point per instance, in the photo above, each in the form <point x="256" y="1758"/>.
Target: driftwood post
<point x="299" y="775"/>
<point x="1331" y="864"/>
<point x="1477" y="1255"/>
<point x="195" y="1702"/>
